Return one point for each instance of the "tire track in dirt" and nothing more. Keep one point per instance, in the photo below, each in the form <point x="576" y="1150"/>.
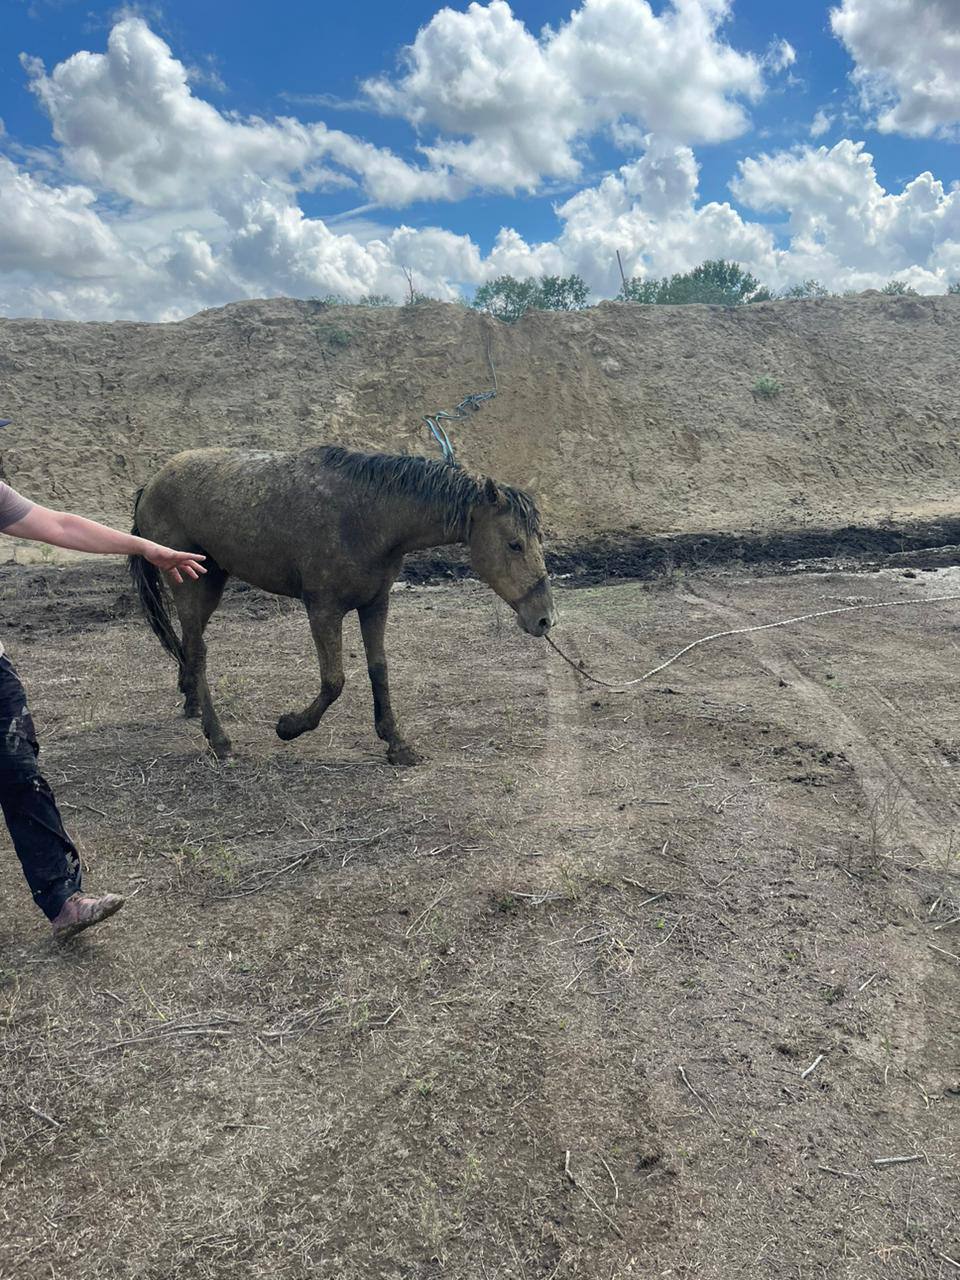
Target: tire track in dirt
<point x="906" y="1025"/>
<point x="585" y="783"/>
<point x="904" y="796"/>
<point x="574" y="744"/>
<point x="889" y="769"/>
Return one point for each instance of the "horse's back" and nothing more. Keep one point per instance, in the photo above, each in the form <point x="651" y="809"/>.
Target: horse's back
<point x="256" y="512"/>
<point x="216" y="466"/>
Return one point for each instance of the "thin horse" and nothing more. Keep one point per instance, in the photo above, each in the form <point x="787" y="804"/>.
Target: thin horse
<point x="329" y="527"/>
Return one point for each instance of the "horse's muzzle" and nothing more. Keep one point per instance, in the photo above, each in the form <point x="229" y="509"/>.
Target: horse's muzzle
<point x="539" y="627"/>
<point x="535" y="610"/>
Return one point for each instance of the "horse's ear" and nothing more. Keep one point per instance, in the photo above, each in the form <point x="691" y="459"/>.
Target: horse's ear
<point x="491" y="493"/>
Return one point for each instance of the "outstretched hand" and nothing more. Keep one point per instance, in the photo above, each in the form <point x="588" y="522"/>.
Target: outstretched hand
<point x="176" y="564"/>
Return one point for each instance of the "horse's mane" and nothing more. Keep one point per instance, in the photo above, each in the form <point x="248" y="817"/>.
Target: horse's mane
<point x="444" y="485"/>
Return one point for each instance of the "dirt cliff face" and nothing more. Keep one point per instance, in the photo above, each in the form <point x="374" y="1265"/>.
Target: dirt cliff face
<point x="621" y="418"/>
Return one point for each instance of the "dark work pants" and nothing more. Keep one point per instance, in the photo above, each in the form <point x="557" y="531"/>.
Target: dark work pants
<point x="49" y="857"/>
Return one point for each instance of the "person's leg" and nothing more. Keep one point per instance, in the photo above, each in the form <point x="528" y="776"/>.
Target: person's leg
<point x="48" y="856"/>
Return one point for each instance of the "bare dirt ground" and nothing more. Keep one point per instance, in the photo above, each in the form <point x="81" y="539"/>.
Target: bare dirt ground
<point x="546" y="1006"/>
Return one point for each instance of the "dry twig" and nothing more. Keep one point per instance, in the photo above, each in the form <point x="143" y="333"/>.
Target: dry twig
<point x="57" y="1124"/>
<point x="838" y="1173"/>
<point x="616" y="1189"/>
<point x="706" y="1106"/>
<point x="417" y="923"/>
<point x="583" y="1191"/>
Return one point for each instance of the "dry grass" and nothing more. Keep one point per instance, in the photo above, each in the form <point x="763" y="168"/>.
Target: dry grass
<point x="539" y="1008"/>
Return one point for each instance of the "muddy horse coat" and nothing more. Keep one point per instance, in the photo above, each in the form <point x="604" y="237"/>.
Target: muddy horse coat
<point x="329" y="527"/>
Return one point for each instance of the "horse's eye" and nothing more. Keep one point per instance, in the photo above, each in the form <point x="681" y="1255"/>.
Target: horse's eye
<point x="516" y="546"/>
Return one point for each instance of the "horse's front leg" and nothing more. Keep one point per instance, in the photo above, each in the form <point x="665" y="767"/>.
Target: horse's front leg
<point x="373" y="624"/>
<point x="326" y="625"/>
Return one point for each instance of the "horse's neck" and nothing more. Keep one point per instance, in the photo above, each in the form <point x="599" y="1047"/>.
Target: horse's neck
<point x="422" y="524"/>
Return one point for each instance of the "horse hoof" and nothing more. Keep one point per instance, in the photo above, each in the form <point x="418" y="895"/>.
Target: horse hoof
<point x="289" y="727"/>
<point x="223" y="751"/>
<point x="404" y="756"/>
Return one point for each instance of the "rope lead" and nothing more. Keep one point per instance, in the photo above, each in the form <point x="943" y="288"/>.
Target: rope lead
<point x="581" y="670"/>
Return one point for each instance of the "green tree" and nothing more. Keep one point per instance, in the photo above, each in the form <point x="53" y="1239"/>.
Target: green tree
<point x="898" y="288"/>
<point x="322" y="303"/>
<point x="806" y="289"/>
<point x="508" y="298"/>
<point x="637" y="290"/>
<point x="562" y="293"/>
<point x="953" y="286"/>
<point x="717" y="281"/>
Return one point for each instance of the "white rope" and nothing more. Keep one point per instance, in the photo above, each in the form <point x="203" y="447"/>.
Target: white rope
<point x="741" y="631"/>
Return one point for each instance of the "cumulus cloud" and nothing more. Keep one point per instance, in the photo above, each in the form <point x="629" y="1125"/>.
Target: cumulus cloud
<point x="276" y="248"/>
<point x="129" y="123"/>
<point x="52" y="229"/>
<point x="510" y="109"/>
<point x="648" y="211"/>
<point x="842" y="228"/>
<point x="907" y="61"/>
<point x="843" y="225"/>
<point x="156" y="204"/>
<point x="504" y="109"/>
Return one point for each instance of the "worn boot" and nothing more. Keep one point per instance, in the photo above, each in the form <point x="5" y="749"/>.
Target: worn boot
<point x="81" y="911"/>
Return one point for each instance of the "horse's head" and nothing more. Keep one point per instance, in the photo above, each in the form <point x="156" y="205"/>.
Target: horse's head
<point x="506" y="551"/>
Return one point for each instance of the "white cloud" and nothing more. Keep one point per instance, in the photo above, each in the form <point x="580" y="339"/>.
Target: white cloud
<point x="907" y="56"/>
<point x="156" y="204"/>
<point x="649" y="211"/>
<point x="511" y="109"/>
<point x="275" y="248"/>
<point x="820" y="124"/>
<point x="780" y="55"/>
<point x="843" y="226"/>
<point x="129" y="123"/>
<point x="503" y="109"/>
<point x="52" y="229"/>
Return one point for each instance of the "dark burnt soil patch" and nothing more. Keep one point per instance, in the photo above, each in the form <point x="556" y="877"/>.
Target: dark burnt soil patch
<point x="921" y="543"/>
<point x="76" y="597"/>
<point x="592" y="562"/>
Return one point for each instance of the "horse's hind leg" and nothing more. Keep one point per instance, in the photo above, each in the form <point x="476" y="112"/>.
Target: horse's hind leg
<point x="373" y="625"/>
<point x="195" y="603"/>
<point x="326" y="625"/>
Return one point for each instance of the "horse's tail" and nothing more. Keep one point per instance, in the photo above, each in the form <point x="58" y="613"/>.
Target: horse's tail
<point x="146" y="579"/>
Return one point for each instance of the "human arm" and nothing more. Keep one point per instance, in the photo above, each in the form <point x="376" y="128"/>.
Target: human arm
<point x="76" y="533"/>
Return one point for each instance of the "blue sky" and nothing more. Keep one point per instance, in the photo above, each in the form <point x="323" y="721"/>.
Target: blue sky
<point x="524" y="138"/>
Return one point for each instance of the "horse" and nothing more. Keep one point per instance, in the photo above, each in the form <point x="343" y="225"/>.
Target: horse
<point x="328" y="526"/>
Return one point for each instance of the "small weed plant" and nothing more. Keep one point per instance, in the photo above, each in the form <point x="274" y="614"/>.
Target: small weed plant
<point x="334" y="337"/>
